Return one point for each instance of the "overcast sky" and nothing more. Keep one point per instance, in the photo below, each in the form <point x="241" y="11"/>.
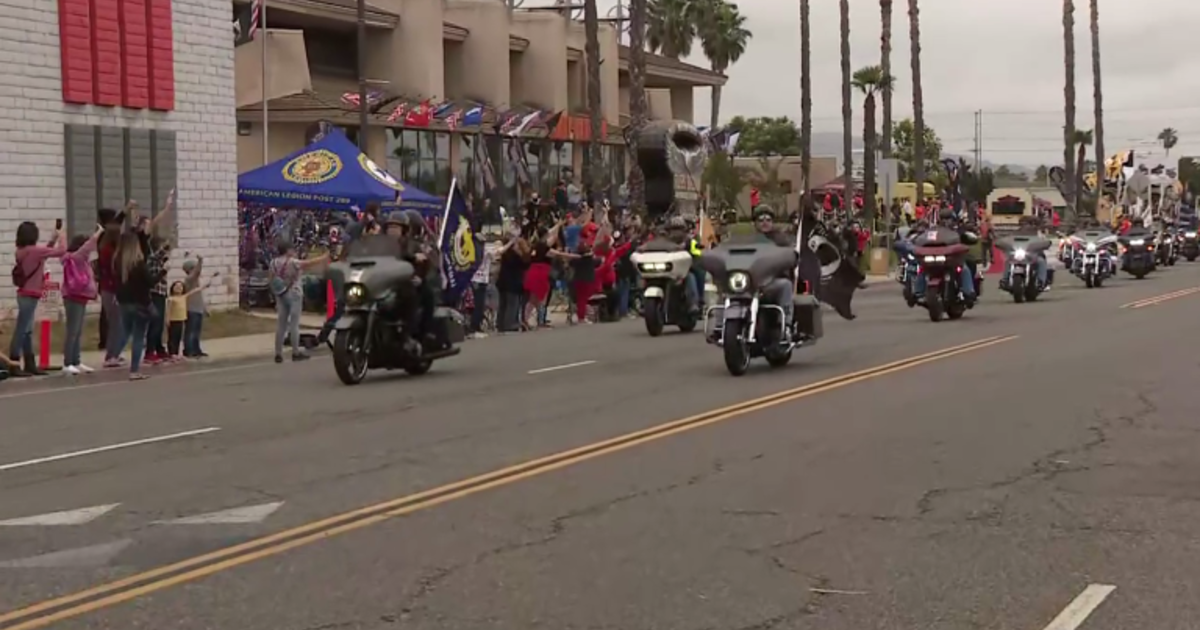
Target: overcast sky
<point x="1002" y="57"/>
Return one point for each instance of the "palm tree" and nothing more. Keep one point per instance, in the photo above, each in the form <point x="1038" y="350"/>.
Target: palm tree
<point x="723" y="36"/>
<point x="885" y="61"/>
<point x="1098" y="98"/>
<point x="914" y="35"/>
<point x="638" y="107"/>
<point x="847" y="131"/>
<point x="1169" y="137"/>
<point x="671" y="26"/>
<point x="1082" y="138"/>
<point x="869" y="81"/>
<point x="1068" y="22"/>
<point x="591" y="27"/>
<point x="805" y="100"/>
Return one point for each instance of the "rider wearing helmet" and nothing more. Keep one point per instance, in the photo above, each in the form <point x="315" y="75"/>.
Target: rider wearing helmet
<point x="677" y="232"/>
<point x="778" y="291"/>
<point x="946" y="218"/>
<point x="409" y="228"/>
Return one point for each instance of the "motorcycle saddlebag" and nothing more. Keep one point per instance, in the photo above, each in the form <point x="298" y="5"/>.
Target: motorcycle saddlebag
<point x="807" y="311"/>
<point x="451" y="328"/>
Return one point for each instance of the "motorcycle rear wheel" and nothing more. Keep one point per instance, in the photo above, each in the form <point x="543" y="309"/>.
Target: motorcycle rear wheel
<point x="933" y="302"/>
<point x="349" y="356"/>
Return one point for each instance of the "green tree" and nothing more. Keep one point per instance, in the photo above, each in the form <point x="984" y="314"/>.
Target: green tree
<point x="1083" y="139"/>
<point x="904" y="150"/>
<point x="723" y="37"/>
<point x="671" y="26"/>
<point x="977" y="186"/>
<point x="770" y="184"/>
<point x="1006" y="175"/>
<point x="870" y="81"/>
<point x="764" y="135"/>
<point x="724" y="181"/>
<point x="1168" y="137"/>
<point x="1040" y="175"/>
<point x="1189" y="174"/>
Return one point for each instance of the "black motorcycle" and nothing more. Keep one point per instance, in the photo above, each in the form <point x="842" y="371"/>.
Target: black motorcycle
<point x="942" y="253"/>
<point x="1189" y="246"/>
<point x="381" y="291"/>
<point x="1138" y="258"/>
<point x="745" y="326"/>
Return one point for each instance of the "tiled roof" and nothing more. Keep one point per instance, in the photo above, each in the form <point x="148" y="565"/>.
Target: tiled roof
<point x="672" y="64"/>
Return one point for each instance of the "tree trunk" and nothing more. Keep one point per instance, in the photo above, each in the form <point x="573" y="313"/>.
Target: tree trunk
<point x="593" y="168"/>
<point x="914" y="34"/>
<point x="1098" y="98"/>
<point x="885" y="56"/>
<point x="847" y="122"/>
<point x="806" y="100"/>
<point x="1079" y="159"/>
<point x="1068" y="22"/>
<point x="716" y="106"/>
<point x="638" y="107"/>
<point x="869" y="162"/>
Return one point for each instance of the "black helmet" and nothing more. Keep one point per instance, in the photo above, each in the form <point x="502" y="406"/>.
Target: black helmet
<point x="946" y="214"/>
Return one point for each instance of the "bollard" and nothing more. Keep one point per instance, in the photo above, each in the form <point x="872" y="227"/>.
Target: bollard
<point x="44" y="346"/>
<point x="330" y="300"/>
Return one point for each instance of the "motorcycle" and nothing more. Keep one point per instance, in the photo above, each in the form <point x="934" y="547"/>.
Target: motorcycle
<point x="941" y="254"/>
<point x="1189" y="246"/>
<point x="1166" y="254"/>
<point x="745" y="326"/>
<point x="380" y="290"/>
<point x="1020" y="280"/>
<point x="1094" y="263"/>
<point x="906" y="272"/>
<point x="664" y="267"/>
<point x="1137" y="258"/>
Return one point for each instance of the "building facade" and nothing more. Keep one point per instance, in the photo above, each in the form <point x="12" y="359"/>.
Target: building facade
<point x="110" y="100"/>
<point x="446" y="52"/>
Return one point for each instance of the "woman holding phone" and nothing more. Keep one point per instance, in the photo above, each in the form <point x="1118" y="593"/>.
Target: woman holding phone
<point x="28" y="276"/>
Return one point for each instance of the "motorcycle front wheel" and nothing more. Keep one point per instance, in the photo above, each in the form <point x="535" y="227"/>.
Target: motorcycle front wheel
<point x="350" y="355"/>
<point x="737" y="353"/>
<point x="652" y="313"/>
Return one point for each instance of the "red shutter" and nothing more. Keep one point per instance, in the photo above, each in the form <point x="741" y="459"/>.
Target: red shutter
<point x="162" y="54"/>
<point x="135" y="52"/>
<point x="106" y="52"/>
<point x="75" y="43"/>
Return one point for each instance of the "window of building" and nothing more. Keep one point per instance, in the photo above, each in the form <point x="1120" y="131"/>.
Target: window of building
<point x="331" y="52"/>
<point x="105" y="167"/>
<point x="420" y="158"/>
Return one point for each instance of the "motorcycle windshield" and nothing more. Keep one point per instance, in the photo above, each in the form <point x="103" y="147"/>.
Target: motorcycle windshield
<point x="373" y="246"/>
<point x="1031" y="244"/>
<point x="938" y="236"/>
<point x="762" y="260"/>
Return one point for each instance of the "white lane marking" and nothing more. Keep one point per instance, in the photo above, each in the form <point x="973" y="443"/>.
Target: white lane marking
<point x="67" y="517"/>
<point x="1081" y="607"/>
<point x="92" y="556"/>
<point x="156" y="377"/>
<point x="235" y="516"/>
<point x="104" y="449"/>
<point x="560" y="367"/>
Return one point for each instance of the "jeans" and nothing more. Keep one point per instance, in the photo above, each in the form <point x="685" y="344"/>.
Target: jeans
<point x="1040" y="267"/>
<point x="700" y="275"/>
<point x="22" y="339"/>
<point x="76" y="311"/>
<point x="623" y="288"/>
<point x="691" y="291"/>
<point x="339" y="307"/>
<point x="479" y="291"/>
<point x="158" y="322"/>
<point x="191" y="334"/>
<point x="965" y="279"/>
<point x="779" y="292"/>
<point x="134" y="320"/>
<point x="287" y="308"/>
<point x="509" y="317"/>
<point x="114" y="343"/>
<point x="174" y="337"/>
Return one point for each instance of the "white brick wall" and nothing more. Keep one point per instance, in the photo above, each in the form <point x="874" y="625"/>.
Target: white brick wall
<point x="32" y="116"/>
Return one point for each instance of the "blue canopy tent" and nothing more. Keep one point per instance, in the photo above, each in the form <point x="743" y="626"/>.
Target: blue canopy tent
<point x="332" y="174"/>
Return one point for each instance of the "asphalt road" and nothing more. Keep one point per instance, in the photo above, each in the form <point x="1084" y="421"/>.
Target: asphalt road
<point x="987" y="487"/>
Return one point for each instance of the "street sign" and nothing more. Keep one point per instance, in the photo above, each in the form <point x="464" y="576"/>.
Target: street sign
<point x="50" y="307"/>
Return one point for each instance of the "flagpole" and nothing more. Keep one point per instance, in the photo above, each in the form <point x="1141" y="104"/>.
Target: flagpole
<point x="265" y="133"/>
<point x="361" y="35"/>
<point x="446" y="212"/>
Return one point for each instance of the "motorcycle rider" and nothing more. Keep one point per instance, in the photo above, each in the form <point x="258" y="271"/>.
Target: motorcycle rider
<point x="409" y="228"/>
<point x="1041" y="267"/>
<point x="966" y="276"/>
<point x="677" y="232"/>
<point x="778" y="291"/>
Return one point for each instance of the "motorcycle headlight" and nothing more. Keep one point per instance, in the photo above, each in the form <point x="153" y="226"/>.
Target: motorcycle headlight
<point x="1091" y="247"/>
<point x="654" y="267"/>
<point x="738" y="281"/>
<point x="1189" y="235"/>
<point x="1138" y="243"/>
<point x="356" y="295"/>
<point x="1019" y="254"/>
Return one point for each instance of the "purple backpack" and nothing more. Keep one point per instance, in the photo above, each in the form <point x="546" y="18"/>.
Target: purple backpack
<point x="77" y="279"/>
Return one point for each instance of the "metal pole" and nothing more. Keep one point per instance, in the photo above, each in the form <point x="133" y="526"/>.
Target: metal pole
<point x="266" y="144"/>
<point x="363" y="121"/>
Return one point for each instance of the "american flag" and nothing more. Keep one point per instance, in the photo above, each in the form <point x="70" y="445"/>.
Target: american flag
<point x="247" y="22"/>
<point x="398" y="113"/>
<point x="454" y="120"/>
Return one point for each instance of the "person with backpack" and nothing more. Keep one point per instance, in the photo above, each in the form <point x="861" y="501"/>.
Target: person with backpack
<point x="28" y="277"/>
<point x="79" y="288"/>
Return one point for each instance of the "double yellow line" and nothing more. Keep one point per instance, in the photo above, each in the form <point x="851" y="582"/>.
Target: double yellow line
<point x="1159" y="299"/>
<point x="106" y="595"/>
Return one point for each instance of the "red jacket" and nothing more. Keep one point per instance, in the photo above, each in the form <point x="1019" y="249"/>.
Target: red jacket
<point x="606" y="274"/>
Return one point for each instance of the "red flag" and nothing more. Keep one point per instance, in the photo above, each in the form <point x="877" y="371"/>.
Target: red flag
<point x="398" y="113"/>
<point x="419" y="116"/>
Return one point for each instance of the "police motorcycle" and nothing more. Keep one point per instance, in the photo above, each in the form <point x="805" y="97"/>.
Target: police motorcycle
<point x="1021" y="254"/>
<point x="1093" y="260"/>
<point x="1137" y="253"/>
<point x="375" y="331"/>
<point x="941" y="253"/>
<point x="665" y="267"/>
<point x="667" y="150"/>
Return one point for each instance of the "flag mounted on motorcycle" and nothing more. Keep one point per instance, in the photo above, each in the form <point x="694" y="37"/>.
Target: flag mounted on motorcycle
<point x="461" y="248"/>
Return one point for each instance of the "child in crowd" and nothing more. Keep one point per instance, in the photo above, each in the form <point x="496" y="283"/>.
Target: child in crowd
<point x="78" y="288"/>
<point x="197" y="309"/>
<point x="178" y="315"/>
<point x="156" y="352"/>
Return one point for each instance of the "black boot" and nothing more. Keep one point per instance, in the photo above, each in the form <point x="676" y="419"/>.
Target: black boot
<point x="31" y="367"/>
